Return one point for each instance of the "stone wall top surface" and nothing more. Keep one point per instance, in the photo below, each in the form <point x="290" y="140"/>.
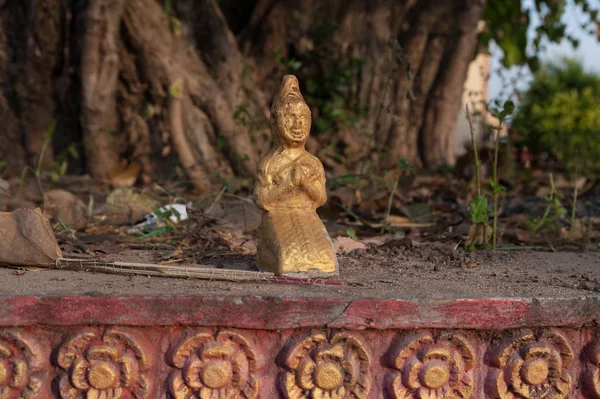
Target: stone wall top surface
<point x="520" y="274"/>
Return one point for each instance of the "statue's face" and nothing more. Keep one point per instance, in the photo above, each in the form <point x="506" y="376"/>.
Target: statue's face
<point x="293" y="123"/>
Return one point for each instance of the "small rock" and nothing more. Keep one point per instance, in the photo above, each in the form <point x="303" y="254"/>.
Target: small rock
<point x="4" y="186"/>
<point x="347" y="244"/>
<point x="66" y="207"/>
<point x="125" y="206"/>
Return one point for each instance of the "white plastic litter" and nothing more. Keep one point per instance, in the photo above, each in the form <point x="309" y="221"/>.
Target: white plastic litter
<point x="152" y="221"/>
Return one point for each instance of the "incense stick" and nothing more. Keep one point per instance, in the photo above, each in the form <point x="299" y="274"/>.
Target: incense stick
<point x="190" y="271"/>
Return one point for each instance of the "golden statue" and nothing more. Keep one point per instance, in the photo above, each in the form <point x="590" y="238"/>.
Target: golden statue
<point x="290" y="186"/>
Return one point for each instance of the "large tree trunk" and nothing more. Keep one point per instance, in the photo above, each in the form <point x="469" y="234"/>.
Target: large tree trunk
<point x="445" y="100"/>
<point x="128" y="80"/>
<point x="30" y="49"/>
<point x="416" y="58"/>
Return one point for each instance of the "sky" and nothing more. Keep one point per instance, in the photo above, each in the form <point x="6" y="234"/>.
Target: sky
<point x="588" y="51"/>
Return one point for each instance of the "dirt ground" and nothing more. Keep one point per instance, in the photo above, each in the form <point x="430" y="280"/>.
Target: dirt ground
<point x="425" y="271"/>
<point x="415" y="251"/>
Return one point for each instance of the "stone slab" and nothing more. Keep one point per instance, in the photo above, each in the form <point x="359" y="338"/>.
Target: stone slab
<point x="134" y="337"/>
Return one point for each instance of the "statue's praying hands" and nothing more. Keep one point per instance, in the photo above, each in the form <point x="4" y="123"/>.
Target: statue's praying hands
<point x="290" y="186"/>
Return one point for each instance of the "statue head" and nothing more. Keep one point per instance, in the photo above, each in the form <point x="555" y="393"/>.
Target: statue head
<point x="290" y="116"/>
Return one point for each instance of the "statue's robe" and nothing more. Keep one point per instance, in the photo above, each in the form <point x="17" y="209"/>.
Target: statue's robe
<point x="292" y="239"/>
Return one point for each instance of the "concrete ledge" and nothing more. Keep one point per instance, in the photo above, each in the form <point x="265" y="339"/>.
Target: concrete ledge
<point x="269" y="347"/>
<point x="273" y="313"/>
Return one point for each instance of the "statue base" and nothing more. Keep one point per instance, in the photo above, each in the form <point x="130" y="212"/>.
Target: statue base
<point x="295" y="243"/>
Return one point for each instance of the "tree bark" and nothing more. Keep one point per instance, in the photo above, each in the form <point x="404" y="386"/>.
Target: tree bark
<point x="129" y="80"/>
<point x="444" y="103"/>
<point x="100" y="68"/>
<point x="416" y="54"/>
<point x="149" y="34"/>
<point x="30" y="48"/>
<point x="401" y="140"/>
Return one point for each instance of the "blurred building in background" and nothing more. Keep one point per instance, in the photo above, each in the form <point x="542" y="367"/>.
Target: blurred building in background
<point x="476" y="94"/>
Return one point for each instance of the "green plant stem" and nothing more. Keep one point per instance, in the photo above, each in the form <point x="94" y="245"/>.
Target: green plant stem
<point x="38" y="169"/>
<point x="548" y="207"/>
<point x="574" y="206"/>
<point x="22" y="181"/>
<point x="389" y="204"/>
<point x="477" y="162"/>
<point x="495" y="177"/>
<point x="90" y="209"/>
<point x="477" y="176"/>
<point x="168" y="8"/>
<point x="495" y="223"/>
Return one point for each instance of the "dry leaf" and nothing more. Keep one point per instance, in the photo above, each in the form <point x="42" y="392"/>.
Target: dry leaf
<point x="471" y="264"/>
<point x="27" y="239"/>
<point x="406" y="242"/>
<point x="524" y="235"/>
<point x="123" y="174"/>
<point x="575" y="232"/>
<point x="346" y="244"/>
<point x="398" y="221"/>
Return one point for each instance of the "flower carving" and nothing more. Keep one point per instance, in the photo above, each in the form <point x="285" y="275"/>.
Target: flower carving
<point x="109" y="365"/>
<point x="531" y="367"/>
<point x="590" y="377"/>
<point x="433" y="367"/>
<point x="22" y="370"/>
<point x="212" y="366"/>
<point x="321" y="368"/>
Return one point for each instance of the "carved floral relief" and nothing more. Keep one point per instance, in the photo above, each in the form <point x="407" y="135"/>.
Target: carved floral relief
<point x="433" y="367"/>
<point x="119" y="363"/>
<point x="213" y="366"/>
<point x="333" y="368"/>
<point x="22" y="366"/>
<point x="110" y="365"/>
<point x="532" y="367"/>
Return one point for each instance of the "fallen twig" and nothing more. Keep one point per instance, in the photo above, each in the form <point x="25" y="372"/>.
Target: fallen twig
<point x="216" y="200"/>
